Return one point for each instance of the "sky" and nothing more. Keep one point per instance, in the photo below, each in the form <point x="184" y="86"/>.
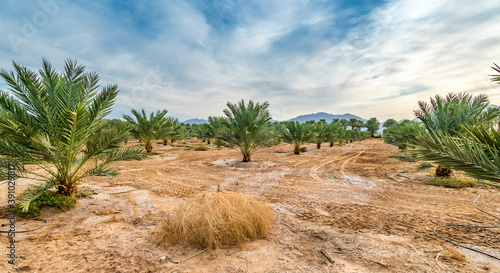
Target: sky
<point x="368" y="58"/>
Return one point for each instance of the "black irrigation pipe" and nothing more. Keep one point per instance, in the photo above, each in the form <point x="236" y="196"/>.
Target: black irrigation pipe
<point x="120" y="192"/>
<point x="24" y="231"/>
<point x="472" y="226"/>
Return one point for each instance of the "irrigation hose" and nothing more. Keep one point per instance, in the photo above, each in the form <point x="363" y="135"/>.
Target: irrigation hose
<point x="150" y="186"/>
<point x="471" y="226"/>
<point x="30" y="230"/>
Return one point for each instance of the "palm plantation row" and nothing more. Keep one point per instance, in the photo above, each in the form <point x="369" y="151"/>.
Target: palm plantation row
<point x="245" y="127"/>
<point x="57" y="122"/>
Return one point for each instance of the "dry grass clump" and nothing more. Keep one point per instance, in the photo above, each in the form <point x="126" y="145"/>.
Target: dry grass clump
<point x="212" y="219"/>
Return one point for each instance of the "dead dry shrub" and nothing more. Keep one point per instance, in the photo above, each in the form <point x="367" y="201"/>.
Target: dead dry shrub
<point x="213" y="219"/>
<point x="453" y="257"/>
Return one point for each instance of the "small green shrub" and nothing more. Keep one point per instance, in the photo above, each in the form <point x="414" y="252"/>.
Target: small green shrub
<point x="451" y="182"/>
<point x="424" y="166"/>
<point x="84" y="192"/>
<point x="48" y="199"/>
<point x="201" y="148"/>
<point x="405" y="157"/>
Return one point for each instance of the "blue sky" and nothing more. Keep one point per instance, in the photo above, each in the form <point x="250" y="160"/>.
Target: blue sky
<point x="369" y="58"/>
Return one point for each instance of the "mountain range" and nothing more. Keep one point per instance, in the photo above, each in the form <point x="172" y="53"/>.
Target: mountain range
<point x="326" y="116"/>
<point x="302" y="118"/>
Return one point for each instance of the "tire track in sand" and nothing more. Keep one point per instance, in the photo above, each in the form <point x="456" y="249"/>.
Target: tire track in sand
<point x="313" y="172"/>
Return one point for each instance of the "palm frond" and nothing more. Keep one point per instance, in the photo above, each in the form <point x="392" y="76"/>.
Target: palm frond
<point x="495" y="78"/>
<point x="476" y="151"/>
<point x="33" y="193"/>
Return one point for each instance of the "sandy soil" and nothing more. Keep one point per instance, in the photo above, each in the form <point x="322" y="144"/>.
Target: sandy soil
<point x="369" y="211"/>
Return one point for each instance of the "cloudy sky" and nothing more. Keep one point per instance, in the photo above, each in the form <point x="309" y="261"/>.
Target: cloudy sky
<point x="369" y="58"/>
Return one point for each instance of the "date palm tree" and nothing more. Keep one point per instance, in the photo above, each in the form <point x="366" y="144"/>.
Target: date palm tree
<point x="149" y="129"/>
<point x="353" y="123"/>
<point x="172" y="129"/>
<point x="390" y="122"/>
<point x="214" y="130"/>
<point x="56" y="121"/>
<point x="403" y="134"/>
<point x="202" y="132"/>
<point x="449" y="114"/>
<point x="337" y="132"/>
<point x="246" y="128"/>
<point x="321" y="132"/>
<point x="372" y="125"/>
<point x="179" y="131"/>
<point x="297" y="134"/>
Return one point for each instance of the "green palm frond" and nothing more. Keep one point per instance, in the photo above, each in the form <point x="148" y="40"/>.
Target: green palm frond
<point x="496" y="78"/>
<point x="475" y="151"/>
<point x="33" y="193"/>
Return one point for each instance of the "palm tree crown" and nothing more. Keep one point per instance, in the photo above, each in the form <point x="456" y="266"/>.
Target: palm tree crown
<point x="447" y="114"/>
<point x="57" y="122"/>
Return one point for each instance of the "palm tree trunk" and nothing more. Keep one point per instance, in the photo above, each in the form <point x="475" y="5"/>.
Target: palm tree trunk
<point x="331" y="144"/>
<point x="246" y="158"/>
<point x="165" y="141"/>
<point x="68" y="190"/>
<point x="149" y="148"/>
<point x="296" y="150"/>
<point x="208" y="141"/>
<point x="442" y="171"/>
<point x="318" y="145"/>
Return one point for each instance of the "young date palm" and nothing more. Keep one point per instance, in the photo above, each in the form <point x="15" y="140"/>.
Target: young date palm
<point x="449" y="114"/>
<point x="56" y="121"/>
<point x="321" y="132"/>
<point x="337" y="132"/>
<point x="297" y="134"/>
<point x="403" y="134"/>
<point x="172" y="130"/>
<point x="148" y="130"/>
<point x="214" y="130"/>
<point x="246" y="128"/>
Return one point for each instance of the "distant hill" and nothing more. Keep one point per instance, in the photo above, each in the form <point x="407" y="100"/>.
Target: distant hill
<point x="195" y="121"/>
<point x="303" y="118"/>
<point x="326" y="116"/>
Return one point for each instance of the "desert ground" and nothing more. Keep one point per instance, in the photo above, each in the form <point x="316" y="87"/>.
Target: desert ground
<point x="370" y="212"/>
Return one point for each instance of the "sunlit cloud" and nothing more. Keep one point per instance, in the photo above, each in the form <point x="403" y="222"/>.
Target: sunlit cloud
<point x="373" y="59"/>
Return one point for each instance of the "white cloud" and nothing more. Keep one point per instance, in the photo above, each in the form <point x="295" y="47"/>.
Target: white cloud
<point x="295" y="54"/>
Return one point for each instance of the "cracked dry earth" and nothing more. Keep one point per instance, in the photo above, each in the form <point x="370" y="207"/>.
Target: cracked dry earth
<point x="371" y="213"/>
